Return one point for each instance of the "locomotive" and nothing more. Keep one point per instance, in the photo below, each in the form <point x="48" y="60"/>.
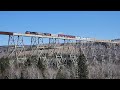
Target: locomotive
<point x="28" y="32"/>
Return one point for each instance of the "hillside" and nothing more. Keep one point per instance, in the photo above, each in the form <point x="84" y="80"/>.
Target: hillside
<point x="92" y="60"/>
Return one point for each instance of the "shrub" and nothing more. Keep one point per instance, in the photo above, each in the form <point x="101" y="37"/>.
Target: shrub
<point x="4" y="63"/>
<point x="69" y="63"/>
<point x="40" y="65"/>
<point x="60" y="74"/>
<point x="28" y="62"/>
<point x="104" y="44"/>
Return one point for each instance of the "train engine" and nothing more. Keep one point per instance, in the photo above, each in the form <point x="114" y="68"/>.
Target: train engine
<point x="28" y="32"/>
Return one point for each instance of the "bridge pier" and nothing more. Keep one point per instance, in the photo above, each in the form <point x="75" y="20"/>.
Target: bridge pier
<point x="20" y="48"/>
<point x="11" y="46"/>
<point x="40" y="48"/>
<point x="34" y="45"/>
<point x="16" y="47"/>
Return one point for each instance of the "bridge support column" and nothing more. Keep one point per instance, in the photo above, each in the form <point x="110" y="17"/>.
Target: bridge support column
<point x="11" y="46"/>
<point x="69" y="45"/>
<point x="40" y="48"/>
<point x="66" y="42"/>
<point x="53" y="43"/>
<point x="16" y="47"/>
<point x="37" y="47"/>
<point x="34" y="45"/>
<point x="20" y="48"/>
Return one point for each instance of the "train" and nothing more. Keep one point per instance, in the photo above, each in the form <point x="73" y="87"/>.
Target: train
<point x="49" y="34"/>
<point x="61" y="35"/>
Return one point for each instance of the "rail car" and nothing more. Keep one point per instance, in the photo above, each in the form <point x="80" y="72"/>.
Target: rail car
<point x="54" y="35"/>
<point x="47" y="34"/>
<point x="28" y="32"/>
<point x="6" y="33"/>
<point x="88" y="39"/>
<point x="37" y="33"/>
<point x="67" y="36"/>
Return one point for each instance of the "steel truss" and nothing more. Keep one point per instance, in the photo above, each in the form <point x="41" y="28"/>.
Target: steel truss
<point x="16" y="47"/>
<point x="36" y="46"/>
<point x="11" y="46"/>
<point x="41" y="48"/>
<point x="53" y="42"/>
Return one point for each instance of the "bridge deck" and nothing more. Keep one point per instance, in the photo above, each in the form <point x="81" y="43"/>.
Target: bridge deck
<point x="30" y="35"/>
<point x="55" y="37"/>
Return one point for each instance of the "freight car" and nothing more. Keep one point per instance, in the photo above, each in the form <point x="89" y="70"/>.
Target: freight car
<point x="6" y="33"/>
<point x="68" y="36"/>
<point x="37" y="33"/>
<point x="47" y="34"/>
<point x="28" y="32"/>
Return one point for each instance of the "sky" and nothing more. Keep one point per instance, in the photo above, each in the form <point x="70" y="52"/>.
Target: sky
<point x="94" y="24"/>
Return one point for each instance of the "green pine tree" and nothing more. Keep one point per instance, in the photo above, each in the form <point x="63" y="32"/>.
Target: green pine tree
<point x="82" y="67"/>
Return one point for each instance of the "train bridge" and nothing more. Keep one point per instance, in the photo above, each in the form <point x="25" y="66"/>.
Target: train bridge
<point x="16" y="47"/>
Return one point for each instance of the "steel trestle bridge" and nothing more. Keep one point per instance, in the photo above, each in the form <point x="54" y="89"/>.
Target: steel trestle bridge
<point x="16" y="47"/>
